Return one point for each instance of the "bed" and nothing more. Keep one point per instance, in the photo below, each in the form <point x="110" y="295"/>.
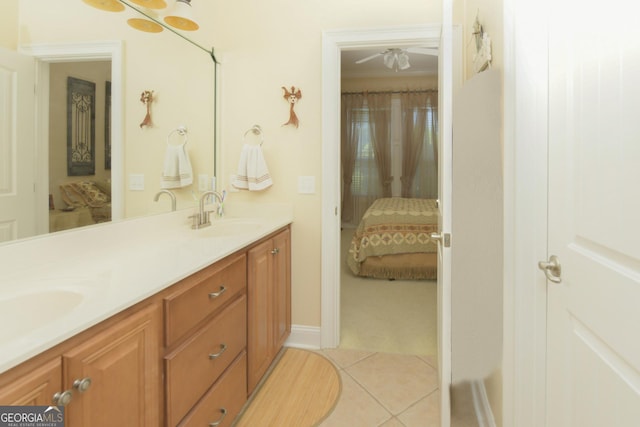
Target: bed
<point x="393" y="240"/>
<point x="88" y="202"/>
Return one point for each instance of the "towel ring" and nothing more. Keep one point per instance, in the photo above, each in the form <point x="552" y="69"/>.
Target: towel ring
<point x="256" y="130"/>
<point x="182" y="131"/>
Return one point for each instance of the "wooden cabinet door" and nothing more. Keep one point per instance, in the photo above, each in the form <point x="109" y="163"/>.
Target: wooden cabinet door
<point x="123" y="364"/>
<point x="268" y="304"/>
<point x="281" y="289"/>
<point x="36" y="387"/>
<point x="259" y="307"/>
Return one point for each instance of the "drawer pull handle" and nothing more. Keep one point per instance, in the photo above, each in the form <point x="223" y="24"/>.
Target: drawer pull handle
<point x="217" y="294"/>
<point x="217" y="423"/>
<point x="223" y="348"/>
<point x="62" y="398"/>
<point x="82" y="385"/>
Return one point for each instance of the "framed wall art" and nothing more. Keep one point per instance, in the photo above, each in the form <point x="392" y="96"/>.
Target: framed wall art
<point x="107" y="125"/>
<point x="81" y="144"/>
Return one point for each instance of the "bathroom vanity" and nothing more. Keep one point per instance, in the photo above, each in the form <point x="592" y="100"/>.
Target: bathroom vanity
<point x="183" y="325"/>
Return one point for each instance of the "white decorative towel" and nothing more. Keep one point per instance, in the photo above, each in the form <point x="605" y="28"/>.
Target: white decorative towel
<point x="177" y="170"/>
<point x="253" y="174"/>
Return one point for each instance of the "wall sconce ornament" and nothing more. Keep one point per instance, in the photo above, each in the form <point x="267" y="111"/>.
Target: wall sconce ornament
<point x="292" y="98"/>
<point x="482" y="57"/>
<point x="146" y="97"/>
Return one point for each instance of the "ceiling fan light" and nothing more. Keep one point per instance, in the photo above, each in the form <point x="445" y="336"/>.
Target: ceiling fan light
<point x="151" y="4"/>
<point x="107" y="5"/>
<point x="389" y="59"/>
<point x="181" y="17"/>
<point x="403" y="61"/>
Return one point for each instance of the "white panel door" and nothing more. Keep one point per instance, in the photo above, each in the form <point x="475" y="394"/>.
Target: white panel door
<point x="17" y="146"/>
<point x="593" y="372"/>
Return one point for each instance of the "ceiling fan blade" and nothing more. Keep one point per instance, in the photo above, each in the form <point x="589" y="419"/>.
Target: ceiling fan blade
<point x="423" y="50"/>
<point x="368" y="58"/>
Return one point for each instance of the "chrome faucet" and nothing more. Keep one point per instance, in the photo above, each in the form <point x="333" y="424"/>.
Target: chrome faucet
<point x="201" y="219"/>
<point x="173" y="198"/>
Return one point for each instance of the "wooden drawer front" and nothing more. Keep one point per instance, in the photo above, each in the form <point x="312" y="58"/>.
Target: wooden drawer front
<point x="190" y="368"/>
<point x="196" y="297"/>
<point x="228" y="394"/>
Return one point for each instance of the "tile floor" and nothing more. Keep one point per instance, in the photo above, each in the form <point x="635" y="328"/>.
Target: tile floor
<point x="384" y="390"/>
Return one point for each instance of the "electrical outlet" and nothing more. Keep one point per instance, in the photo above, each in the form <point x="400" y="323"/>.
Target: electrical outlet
<point x="136" y="182"/>
<point x="203" y="182"/>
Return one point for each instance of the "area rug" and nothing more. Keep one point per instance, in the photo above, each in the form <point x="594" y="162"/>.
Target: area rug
<point x="300" y="391"/>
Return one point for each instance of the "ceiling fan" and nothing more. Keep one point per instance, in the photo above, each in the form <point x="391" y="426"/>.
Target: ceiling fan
<point x="396" y="58"/>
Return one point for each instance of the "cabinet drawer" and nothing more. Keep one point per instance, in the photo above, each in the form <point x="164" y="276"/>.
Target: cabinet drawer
<point x="196" y="364"/>
<point x="201" y="294"/>
<point x="227" y="396"/>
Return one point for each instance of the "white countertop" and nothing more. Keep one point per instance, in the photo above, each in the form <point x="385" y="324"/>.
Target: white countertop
<point x="53" y="287"/>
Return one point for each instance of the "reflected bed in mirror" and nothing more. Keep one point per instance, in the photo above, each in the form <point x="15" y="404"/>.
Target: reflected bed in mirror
<point x="135" y="62"/>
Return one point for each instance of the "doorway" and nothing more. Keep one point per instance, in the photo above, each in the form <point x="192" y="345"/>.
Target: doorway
<point x="335" y="42"/>
<point x="45" y="54"/>
<point x="80" y="167"/>
<point x="391" y="307"/>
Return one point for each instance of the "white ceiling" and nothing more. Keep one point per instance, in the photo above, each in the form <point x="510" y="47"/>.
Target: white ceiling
<point x="421" y="65"/>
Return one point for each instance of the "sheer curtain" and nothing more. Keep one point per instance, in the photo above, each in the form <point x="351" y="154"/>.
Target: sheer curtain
<point x="366" y="149"/>
<point x="366" y="152"/>
<point x="419" y="144"/>
<point x="351" y="133"/>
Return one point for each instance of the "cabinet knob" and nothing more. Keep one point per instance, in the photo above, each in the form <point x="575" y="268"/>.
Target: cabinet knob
<point x="62" y="398"/>
<point x="223" y="411"/>
<point x="275" y="251"/>
<point x="223" y="348"/>
<point x="217" y="294"/>
<point x="82" y="385"/>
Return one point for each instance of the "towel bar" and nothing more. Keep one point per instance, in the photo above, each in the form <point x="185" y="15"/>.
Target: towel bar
<point x="256" y="130"/>
<point x="182" y="131"/>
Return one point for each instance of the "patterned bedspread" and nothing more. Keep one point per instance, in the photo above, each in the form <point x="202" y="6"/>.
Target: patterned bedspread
<point x="394" y="226"/>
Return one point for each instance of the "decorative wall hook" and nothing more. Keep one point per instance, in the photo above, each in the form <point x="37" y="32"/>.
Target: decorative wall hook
<point x="146" y="98"/>
<point x="292" y="98"/>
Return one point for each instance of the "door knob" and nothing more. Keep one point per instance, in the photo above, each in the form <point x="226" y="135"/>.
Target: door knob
<point x="444" y="238"/>
<point x="552" y="269"/>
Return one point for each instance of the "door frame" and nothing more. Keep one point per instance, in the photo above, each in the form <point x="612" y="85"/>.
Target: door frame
<point x="525" y="213"/>
<point x="333" y="42"/>
<point x="45" y="54"/>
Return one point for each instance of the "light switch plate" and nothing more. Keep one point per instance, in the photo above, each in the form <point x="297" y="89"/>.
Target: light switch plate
<point x="306" y="184"/>
<point x="136" y="182"/>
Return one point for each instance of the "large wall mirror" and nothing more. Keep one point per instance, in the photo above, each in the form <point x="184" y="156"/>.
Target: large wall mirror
<point x="92" y="70"/>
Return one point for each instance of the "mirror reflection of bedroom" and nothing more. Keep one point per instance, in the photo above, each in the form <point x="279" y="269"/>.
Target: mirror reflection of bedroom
<point x="389" y="169"/>
<point x="79" y="148"/>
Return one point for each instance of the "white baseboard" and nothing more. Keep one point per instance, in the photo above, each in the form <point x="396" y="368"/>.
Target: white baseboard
<point x="484" y="414"/>
<point x="306" y="337"/>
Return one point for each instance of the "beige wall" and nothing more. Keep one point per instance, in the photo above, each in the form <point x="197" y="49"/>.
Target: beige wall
<point x="263" y="46"/>
<point x="389" y="83"/>
<point x="9" y="24"/>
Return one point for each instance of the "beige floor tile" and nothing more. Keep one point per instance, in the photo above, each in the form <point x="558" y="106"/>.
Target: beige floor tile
<point x="396" y="381"/>
<point x="344" y="358"/>
<point x="431" y="360"/>
<point x="356" y="407"/>
<point x="425" y="413"/>
<point x="393" y="422"/>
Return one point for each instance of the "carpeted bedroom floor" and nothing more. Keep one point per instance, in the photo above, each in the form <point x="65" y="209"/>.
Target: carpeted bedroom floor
<point x="386" y="316"/>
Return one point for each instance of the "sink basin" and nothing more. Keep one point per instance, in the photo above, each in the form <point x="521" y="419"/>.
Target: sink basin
<point x="231" y="227"/>
<point x="28" y="311"/>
